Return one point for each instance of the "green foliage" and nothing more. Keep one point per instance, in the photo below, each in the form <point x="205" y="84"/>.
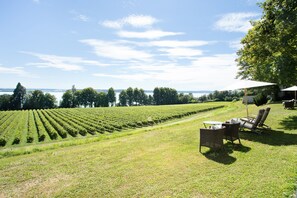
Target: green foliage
<point x="88" y="96"/>
<point x="222" y="96"/>
<point x="101" y="100"/>
<point x="38" y="100"/>
<point x="5" y="102"/>
<point x="269" y="48"/>
<point x="111" y="96"/>
<point x="165" y="95"/>
<point x="123" y="98"/>
<point x="260" y="99"/>
<point x="67" y="99"/>
<point x="130" y="93"/>
<point x="18" y="97"/>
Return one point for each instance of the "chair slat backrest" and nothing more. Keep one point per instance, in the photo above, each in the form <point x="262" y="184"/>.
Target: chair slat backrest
<point x="258" y="118"/>
<point x="265" y="114"/>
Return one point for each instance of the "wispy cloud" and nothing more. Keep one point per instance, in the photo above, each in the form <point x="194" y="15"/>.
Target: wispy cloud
<point x="235" y="44"/>
<point x="218" y="60"/>
<point x="150" y="34"/>
<point x="82" y="17"/>
<point x="78" y="16"/>
<point x="132" y="20"/>
<point x="62" y="62"/>
<point x="136" y="77"/>
<point x="19" y="71"/>
<point x="236" y="22"/>
<point x="36" y="1"/>
<point x="180" y="52"/>
<point x="215" y="70"/>
<point x="116" y="50"/>
<point x="178" y="43"/>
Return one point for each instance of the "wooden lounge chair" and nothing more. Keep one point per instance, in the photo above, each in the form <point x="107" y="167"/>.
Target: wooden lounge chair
<point x="232" y="131"/>
<point x="289" y="104"/>
<point x="251" y="123"/>
<point x="261" y="123"/>
<point x="212" y="138"/>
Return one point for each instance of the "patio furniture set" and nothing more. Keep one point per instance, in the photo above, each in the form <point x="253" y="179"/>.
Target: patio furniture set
<point x="290" y="104"/>
<point x="215" y="132"/>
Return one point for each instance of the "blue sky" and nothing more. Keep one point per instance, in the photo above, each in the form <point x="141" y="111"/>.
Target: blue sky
<point x="182" y="44"/>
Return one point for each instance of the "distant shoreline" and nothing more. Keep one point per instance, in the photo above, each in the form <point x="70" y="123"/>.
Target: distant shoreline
<point x="99" y="90"/>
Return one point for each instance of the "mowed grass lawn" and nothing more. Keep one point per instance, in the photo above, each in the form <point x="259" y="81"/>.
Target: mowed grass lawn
<point x="162" y="161"/>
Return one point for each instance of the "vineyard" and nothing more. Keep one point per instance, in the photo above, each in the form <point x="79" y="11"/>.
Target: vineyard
<point x="32" y="126"/>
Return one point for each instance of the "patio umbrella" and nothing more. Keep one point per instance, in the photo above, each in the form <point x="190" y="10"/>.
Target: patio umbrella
<point x="245" y="84"/>
<point x="294" y="88"/>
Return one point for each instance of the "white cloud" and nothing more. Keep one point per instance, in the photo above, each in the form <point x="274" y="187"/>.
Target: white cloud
<point x="179" y="52"/>
<point x="136" y="77"/>
<point x="235" y="44"/>
<point x="78" y="16"/>
<point x="132" y="20"/>
<point x="11" y="70"/>
<point x="218" y="61"/>
<point x="236" y="22"/>
<point x="150" y="34"/>
<point x="36" y="1"/>
<point x="62" y="62"/>
<point x="19" y="71"/>
<point x="177" y="43"/>
<point x="214" y="72"/>
<point x="116" y="50"/>
<point x="81" y="17"/>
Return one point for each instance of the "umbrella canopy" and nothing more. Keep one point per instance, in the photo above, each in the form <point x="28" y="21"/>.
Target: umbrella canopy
<point x="245" y="84"/>
<point x="294" y="88"/>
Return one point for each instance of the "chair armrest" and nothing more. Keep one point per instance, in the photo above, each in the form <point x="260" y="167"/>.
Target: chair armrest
<point x="245" y="120"/>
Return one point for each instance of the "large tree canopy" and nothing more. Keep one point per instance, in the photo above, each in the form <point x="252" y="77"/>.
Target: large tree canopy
<point x="269" y="51"/>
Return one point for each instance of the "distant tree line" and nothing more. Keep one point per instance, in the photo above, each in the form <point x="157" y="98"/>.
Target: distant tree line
<point x="88" y="97"/>
<point x="221" y="96"/>
<point x="130" y="97"/>
<point x="20" y="99"/>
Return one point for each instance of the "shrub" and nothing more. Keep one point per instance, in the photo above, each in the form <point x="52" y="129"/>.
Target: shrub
<point x="260" y="99"/>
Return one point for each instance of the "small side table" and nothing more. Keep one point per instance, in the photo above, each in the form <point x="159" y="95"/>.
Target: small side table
<point x="211" y="123"/>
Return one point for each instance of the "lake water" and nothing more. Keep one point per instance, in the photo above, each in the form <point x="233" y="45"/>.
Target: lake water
<point x="59" y="94"/>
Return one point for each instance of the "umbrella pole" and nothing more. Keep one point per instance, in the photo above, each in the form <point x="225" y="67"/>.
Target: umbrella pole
<point x="246" y="103"/>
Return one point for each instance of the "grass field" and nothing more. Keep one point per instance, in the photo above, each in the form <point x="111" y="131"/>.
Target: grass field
<point x="159" y="161"/>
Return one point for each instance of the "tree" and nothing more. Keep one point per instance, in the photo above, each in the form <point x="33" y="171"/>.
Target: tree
<point x="67" y="100"/>
<point x="5" y="100"/>
<point x="34" y="100"/>
<point x="101" y="100"/>
<point x="150" y="100"/>
<point x="123" y="98"/>
<point x="142" y="97"/>
<point x="88" y="96"/>
<point x="18" y="97"/>
<point x="49" y="101"/>
<point x="165" y="95"/>
<point x="269" y="48"/>
<point x="75" y="102"/>
<point x="130" y="95"/>
<point x="157" y="96"/>
<point x="136" y="95"/>
<point x="111" y="96"/>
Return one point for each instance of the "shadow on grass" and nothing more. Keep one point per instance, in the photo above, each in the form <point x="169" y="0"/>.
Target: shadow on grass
<point x="219" y="156"/>
<point x="222" y="156"/>
<point x="289" y="123"/>
<point x="230" y="148"/>
<point x="271" y="137"/>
